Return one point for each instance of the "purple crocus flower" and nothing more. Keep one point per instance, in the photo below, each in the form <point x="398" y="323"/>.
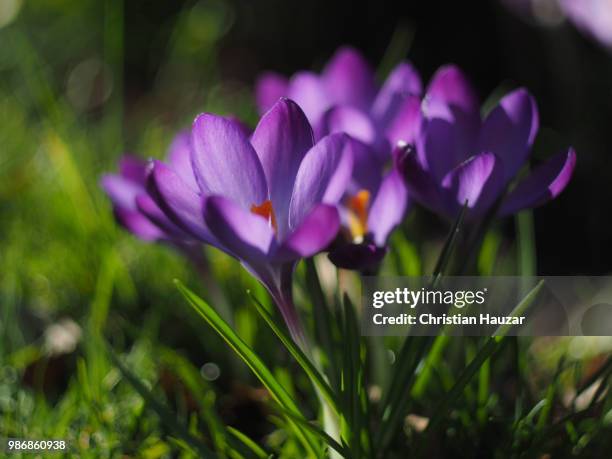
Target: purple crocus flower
<point x="374" y="204"/>
<point x="134" y="208"/>
<point x="268" y="200"/>
<point x="460" y="157"/>
<point x="345" y="98"/>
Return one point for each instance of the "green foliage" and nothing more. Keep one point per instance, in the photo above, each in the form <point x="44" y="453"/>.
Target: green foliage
<point x="127" y="376"/>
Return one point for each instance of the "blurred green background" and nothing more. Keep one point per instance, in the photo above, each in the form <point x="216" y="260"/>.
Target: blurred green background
<point x="83" y="81"/>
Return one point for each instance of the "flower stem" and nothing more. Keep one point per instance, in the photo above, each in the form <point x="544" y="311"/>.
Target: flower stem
<point x="284" y="300"/>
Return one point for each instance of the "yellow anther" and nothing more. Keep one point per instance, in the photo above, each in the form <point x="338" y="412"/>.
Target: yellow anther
<point x="358" y="206"/>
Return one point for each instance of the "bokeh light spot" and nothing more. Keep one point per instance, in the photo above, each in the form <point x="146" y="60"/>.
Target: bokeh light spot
<point x="9" y="9"/>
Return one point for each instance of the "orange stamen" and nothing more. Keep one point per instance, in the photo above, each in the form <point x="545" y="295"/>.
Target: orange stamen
<point x="266" y="210"/>
<point x="358" y="213"/>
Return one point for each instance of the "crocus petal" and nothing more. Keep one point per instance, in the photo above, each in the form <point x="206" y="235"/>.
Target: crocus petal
<point x="315" y="232"/>
<point x="225" y="163"/>
<point x="181" y="204"/>
<point x="121" y="191"/>
<point x="451" y="121"/>
<point x="179" y="157"/>
<point x="448" y="136"/>
<point x="133" y="169"/>
<point x="349" y="79"/>
<point x="510" y="129"/>
<point x="367" y="168"/>
<point x="138" y="224"/>
<point x="354" y="122"/>
<point x="402" y="82"/>
<point x="450" y="86"/>
<point x="323" y="176"/>
<point x="419" y="182"/>
<point x="268" y="89"/>
<point x="478" y="180"/>
<point x="546" y="182"/>
<point x="243" y="234"/>
<point x="308" y="91"/>
<point x="149" y="208"/>
<point x="407" y="122"/>
<point x="388" y="208"/>
<point x="245" y="128"/>
<point x="281" y="139"/>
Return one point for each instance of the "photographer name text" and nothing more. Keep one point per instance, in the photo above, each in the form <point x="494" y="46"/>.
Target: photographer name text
<point x="422" y="297"/>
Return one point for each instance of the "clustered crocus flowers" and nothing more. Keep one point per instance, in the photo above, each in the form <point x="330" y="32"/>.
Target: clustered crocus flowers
<point x="268" y="200"/>
<point x="346" y="98"/>
<point x="288" y="191"/>
<point x="461" y="159"/>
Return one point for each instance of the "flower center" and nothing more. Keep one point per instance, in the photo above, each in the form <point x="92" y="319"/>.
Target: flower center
<point x="266" y="210"/>
<point x="357" y="206"/>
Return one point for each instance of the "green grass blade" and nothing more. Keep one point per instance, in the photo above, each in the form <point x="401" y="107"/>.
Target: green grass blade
<point x="315" y="376"/>
<point x="354" y="390"/>
<point x="316" y="430"/>
<point x="549" y="399"/>
<point x="397" y="49"/>
<point x="164" y="414"/>
<point x="405" y="255"/>
<point x="492" y="345"/>
<point x="411" y="354"/>
<point x="520" y="309"/>
<point x="489" y="251"/>
<point x="323" y="320"/>
<point x="526" y="243"/>
<point x="251" y="446"/>
<point x="277" y="391"/>
<point x="397" y="396"/>
<point x="432" y="360"/>
<point x="200" y="390"/>
<point x="449" y="244"/>
<point x="484" y="376"/>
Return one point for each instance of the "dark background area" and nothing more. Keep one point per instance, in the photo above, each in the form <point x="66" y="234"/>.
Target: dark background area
<point x="570" y="76"/>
